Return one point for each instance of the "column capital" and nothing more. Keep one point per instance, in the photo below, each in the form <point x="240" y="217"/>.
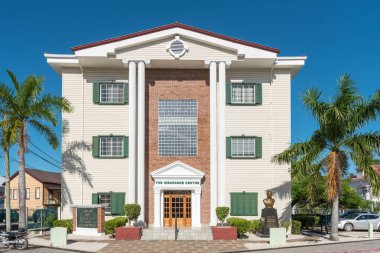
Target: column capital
<point x="127" y="61"/>
<point x="208" y="62"/>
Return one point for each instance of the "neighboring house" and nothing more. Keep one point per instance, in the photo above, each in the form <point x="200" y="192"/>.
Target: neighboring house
<point x="180" y="120"/>
<point x="43" y="189"/>
<point x="2" y="192"/>
<point x="360" y="183"/>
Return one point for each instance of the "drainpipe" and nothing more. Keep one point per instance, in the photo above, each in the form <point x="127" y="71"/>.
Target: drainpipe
<point x="271" y="117"/>
<point x="82" y="152"/>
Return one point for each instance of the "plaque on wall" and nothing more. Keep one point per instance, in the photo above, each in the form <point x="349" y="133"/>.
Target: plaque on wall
<point x="87" y="217"/>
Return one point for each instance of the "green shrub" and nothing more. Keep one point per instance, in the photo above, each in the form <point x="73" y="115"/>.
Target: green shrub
<point x="132" y="211"/>
<point x="110" y="225"/>
<point x="285" y="224"/>
<point x="296" y="227"/>
<point x="254" y="226"/>
<point x="307" y="221"/>
<point x="222" y="213"/>
<point x="242" y="225"/>
<point x="64" y="223"/>
<point x="48" y="221"/>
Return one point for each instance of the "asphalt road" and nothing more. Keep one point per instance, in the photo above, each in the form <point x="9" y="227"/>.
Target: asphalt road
<point x="352" y="247"/>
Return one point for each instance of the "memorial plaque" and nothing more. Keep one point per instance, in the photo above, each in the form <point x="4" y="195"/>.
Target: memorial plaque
<point x="269" y="219"/>
<point x="87" y="217"/>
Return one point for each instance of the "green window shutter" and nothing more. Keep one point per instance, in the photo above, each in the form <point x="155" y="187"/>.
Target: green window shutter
<point x="244" y="203"/>
<point x="95" y="198"/>
<point x="126" y="146"/>
<point x="258" y="93"/>
<point x="258" y="147"/>
<point x="95" y="146"/>
<point x="228" y="93"/>
<point x="228" y="147"/>
<point x="126" y="93"/>
<point x="117" y="203"/>
<point x="96" y="93"/>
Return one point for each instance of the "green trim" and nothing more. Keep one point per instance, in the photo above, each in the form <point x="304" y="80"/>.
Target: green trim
<point x="96" y="93"/>
<point x="95" y="146"/>
<point x="125" y="89"/>
<point x="258" y="94"/>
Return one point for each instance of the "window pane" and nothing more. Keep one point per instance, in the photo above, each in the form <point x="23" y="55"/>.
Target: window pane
<point x="111" y="92"/>
<point x="243" y="93"/>
<point x="111" y="146"/>
<point x="243" y="147"/>
<point x="177" y="127"/>
<point x="105" y="200"/>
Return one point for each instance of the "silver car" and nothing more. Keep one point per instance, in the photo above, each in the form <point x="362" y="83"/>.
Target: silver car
<point x="359" y="221"/>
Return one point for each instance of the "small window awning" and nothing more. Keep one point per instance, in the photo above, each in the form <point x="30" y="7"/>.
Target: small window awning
<point x="53" y="186"/>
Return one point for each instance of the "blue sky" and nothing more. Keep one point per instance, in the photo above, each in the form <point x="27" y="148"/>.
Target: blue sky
<point x="337" y="36"/>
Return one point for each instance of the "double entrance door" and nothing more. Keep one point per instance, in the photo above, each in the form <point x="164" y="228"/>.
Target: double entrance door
<point x="177" y="205"/>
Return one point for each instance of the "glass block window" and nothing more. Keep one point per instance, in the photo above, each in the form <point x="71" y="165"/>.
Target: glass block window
<point x="243" y="93"/>
<point x="243" y="147"/>
<point x="111" y="146"/>
<point x="112" y="93"/>
<point x="105" y="200"/>
<point x="177" y="127"/>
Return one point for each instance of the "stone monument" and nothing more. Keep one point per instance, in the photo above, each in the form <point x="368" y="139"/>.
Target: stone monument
<point x="269" y="217"/>
<point x="88" y="220"/>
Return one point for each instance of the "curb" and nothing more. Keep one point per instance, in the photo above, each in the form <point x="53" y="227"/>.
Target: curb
<point x="300" y="246"/>
<point x="56" y="248"/>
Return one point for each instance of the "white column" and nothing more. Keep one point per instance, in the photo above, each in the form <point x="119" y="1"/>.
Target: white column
<point x="213" y="146"/>
<point x="157" y="208"/>
<point x="141" y="139"/>
<point x="132" y="134"/>
<point x="196" y="210"/>
<point x="222" y="134"/>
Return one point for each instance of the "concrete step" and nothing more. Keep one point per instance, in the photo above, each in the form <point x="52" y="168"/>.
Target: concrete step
<point x="183" y="234"/>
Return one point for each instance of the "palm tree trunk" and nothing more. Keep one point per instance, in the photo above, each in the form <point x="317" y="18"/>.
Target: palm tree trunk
<point x="21" y="179"/>
<point x="334" y="236"/>
<point x="7" y="192"/>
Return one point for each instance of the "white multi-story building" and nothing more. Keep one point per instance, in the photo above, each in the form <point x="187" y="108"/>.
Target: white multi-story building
<point x="179" y="120"/>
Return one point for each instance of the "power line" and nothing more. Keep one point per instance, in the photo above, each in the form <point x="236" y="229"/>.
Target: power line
<point x="44" y="159"/>
<point x="45" y="153"/>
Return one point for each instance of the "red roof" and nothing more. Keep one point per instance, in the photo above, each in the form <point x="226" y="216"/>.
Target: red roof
<point x="170" y="26"/>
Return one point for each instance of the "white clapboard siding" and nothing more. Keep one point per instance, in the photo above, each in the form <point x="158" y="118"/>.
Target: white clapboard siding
<point x="105" y="174"/>
<point x="259" y="175"/>
<point x="158" y="50"/>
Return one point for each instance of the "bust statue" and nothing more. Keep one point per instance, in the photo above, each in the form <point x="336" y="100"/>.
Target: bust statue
<point x="269" y="201"/>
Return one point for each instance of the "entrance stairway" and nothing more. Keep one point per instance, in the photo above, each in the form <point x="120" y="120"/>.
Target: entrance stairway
<point x="203" y="233"/>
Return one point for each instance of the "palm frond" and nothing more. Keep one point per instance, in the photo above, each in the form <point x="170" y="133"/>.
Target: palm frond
<point x="336" y="163"/>
<point x="14" y="81"/>
<point x="311" y="100"/>
<point x="45" y="131"/>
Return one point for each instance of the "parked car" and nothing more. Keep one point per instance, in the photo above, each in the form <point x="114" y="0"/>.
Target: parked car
<point x="359" y="221"/>
<point x="14" y="215"/>
<point x="353" y="211"/>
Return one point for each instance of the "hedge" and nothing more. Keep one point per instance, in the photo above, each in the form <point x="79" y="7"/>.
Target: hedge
<point x="64" y="223"/>
<point x="242" y="225"/>
<point x="296" y="227"/>
<point x="222" y="213"/>
<point x="110" y="225"/>
<point x="307" y="221"/>
<point x="254" y="226"/>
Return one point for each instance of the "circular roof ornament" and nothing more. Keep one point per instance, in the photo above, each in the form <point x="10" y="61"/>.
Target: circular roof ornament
<point x="177" y="47"/>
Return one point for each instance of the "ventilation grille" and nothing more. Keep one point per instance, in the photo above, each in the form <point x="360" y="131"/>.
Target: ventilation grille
<point x="177" y="47"/>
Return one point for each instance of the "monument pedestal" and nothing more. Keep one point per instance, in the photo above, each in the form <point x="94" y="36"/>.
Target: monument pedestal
<point x="269" y="219"/>
<point x="88" y="220"/>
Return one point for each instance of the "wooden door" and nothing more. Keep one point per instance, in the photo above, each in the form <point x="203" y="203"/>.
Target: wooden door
<point x="177" y="204"/>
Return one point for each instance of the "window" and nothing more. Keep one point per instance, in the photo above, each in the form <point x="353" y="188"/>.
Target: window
<point x="243" y="203"/>
<point x="27" y="193"/>
<point x="111" y="146"/>
<point x="177" y="127"/>
<point x="244" y="147"/>
<point x="111" y="93"/>
<point x="105" y="200"/>
<point x="113" y="202"/>
<point x="37" y="193"/>
<point x="15" y="194"/>
<point x="244" y="94"/>
<point x="51" y="195"/>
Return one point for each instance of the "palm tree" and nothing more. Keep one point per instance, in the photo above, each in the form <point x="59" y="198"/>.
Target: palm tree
<point x="340" y="137"/>
<point x="7" y="139"/>
<point x="24" y="106"/>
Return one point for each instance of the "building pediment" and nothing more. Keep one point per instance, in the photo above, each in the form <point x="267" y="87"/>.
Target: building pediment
<point x="111" y="47"/>
<point x="177" y="170"/>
